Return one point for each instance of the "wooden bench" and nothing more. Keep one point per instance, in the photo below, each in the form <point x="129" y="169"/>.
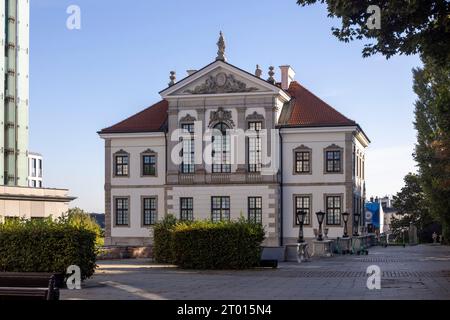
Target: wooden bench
<point x="28" y="286"/>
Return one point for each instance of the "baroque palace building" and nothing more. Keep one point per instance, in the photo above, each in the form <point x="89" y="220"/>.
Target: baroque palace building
<point x="224" y="143"/>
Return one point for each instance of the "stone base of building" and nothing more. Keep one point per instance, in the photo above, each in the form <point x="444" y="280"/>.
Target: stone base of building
<point x="129" y="241"/>
<point x="125" y="252"/>
<point x="28" y="203"/>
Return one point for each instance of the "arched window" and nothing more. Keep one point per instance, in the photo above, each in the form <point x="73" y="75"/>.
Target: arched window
<point x="221" y="149"/>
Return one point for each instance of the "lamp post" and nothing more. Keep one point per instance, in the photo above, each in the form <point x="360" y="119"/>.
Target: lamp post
<point x="320" y="215"/>
<point x="356" y="217"/>
<point x="300" y="215"/>
<point x="345" y="218"/>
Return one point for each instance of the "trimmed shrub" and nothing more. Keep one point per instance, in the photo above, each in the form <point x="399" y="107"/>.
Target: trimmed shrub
<point x="46" y="246"/>
<point x="162" y="243"/>
<point x="208" y="245"/>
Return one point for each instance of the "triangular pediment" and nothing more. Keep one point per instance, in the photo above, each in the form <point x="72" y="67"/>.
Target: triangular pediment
<point x="219" y="78"/>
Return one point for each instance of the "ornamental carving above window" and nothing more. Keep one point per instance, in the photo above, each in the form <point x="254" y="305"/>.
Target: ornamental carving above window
<point x="221" y="115"/>
<point x="221" y="83"/>
<point x="255" y="116"/>
<point x="188" y="118"/>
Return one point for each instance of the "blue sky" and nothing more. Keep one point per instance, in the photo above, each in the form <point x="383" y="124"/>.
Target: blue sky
<point x="85" y="80"/>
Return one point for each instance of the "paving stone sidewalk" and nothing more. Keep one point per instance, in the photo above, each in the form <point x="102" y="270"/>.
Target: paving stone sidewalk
<point x="416" y="272"/>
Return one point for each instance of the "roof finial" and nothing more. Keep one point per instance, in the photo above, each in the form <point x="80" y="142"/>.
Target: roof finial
<point x="258" y="71"/>
<point x="221" y="48"/>
<point x="173" y="78"/>
<point x="271" y="74"/>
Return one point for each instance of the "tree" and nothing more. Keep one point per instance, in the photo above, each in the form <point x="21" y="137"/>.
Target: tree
<point x="79" y="218"/>
<point x="412" y="206"/>
<point x="432" y="151"/>
<point x="407" y="26"/>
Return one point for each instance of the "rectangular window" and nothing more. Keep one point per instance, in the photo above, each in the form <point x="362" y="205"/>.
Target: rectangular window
<point x="221" y="149"/>
<point x="333" y="210"/>
<point x="333" y="161"/>
<point x="255" y="209"/>
<point x="187" y="166"/>
<point x="187" y="209"/>
<point x="149" y="211"/>
<point x="302" y="162"/>
<point x="121" y="168"/>
<point x="254" y="148"/>
<point x="33" y="168"/>
<point x="149" y="165"/>
<point x="303" y="203"/>
<point x="122" y="208"/>
<point x="40" y="167"/>
<point x="220" y="208"/>
<point x="362" y="167"/>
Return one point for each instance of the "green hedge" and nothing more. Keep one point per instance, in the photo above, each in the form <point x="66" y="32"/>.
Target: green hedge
<point x="46" y="246"/>
<point x="162" y="244"/>
<point x="208" y="245"/>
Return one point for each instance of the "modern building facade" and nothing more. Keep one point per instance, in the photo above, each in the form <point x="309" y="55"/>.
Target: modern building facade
<point x="17" y="199"/>
<point x="14" y="92"/>
<point x="35" y="170"/>
<point x="225" y="143"/>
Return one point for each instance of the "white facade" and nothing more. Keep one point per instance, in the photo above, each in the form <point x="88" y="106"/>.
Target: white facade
<point x="217" y="96"/>
<point x="31" y="203"/>
<point x="35" y="170"/>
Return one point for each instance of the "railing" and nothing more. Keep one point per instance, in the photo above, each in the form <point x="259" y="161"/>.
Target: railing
<point x="253" y="177"/>
<point x="220" y="177"/>
<point x="186" y="178"/>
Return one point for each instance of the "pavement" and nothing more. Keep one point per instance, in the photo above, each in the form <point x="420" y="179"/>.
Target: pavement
<point x="416" y="272"/>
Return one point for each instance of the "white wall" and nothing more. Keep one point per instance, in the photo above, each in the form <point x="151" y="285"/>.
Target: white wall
<point x="317" y="184"/>
<point x="135" y="228"/>
<point x="318" y="204"/>
<point x="317" y="141"/>
<point x="135" y="146"/>
<point x="238" y="201"/>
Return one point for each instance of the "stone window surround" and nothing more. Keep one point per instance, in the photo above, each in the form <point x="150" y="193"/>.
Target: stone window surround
<point x="148" y="152"/>
<point x="294" y="204"/>
<point x="187" y="119"/>
<point x="325" y="195"/>
<point x="248" y="207"/>
<point x="333" y="147"/>
<point x="221" y="209"/>
<point x="253" y="117"/>
<point x="121" y="152"/>
<point x="115" y="212"/>
<point x="223" y="123"/>
<point x="301" y="148"/>
<point x="181" y="208"/>
<point x="149" y="226"/>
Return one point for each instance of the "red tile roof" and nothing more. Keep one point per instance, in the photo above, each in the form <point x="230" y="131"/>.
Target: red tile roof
<point x="304" y="109"/>
<point x="152" y="119"/>
<point x="309" y="110"/>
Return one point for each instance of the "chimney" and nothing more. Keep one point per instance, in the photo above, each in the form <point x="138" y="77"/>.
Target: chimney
<point x="287" y="76"/>
<point x="191" y="71"/>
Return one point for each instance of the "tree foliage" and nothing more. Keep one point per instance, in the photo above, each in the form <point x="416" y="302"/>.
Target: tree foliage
<point x="407" y="26"/>
<point x="79" y="218"/>
<point x="432" y="151"/>
<point x="412" y="206"/>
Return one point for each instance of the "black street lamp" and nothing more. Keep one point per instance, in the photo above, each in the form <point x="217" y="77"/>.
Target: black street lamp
<point x="356" y="217"/>
<point x="345" y="218"/>
<point x="300" y="215"/>
<point x="320" y="215"/>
